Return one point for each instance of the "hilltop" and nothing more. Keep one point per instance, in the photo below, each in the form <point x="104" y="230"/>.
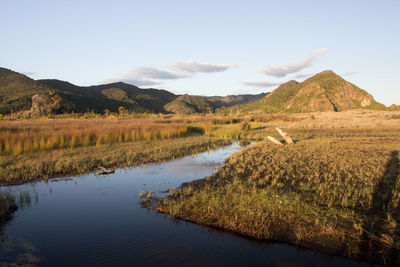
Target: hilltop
<point x="189" y="104"/>
<point x="325" y="91"/>
<point x="231" y="100"/>
<point x="186" y="104"/>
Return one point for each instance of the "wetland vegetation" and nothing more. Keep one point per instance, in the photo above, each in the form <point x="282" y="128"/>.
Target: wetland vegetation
<point x="336" y="189"/>
<point x="61" y="145"/>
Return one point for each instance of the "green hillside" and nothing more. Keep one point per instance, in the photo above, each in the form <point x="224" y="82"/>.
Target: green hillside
<point x="325" y="91"/>
<point x="189" y="104"/>
<point x="112" y="96"/>
<point x="16" y="91"/>
<point x="186" y="104"/>
<point x="230" y="100"/>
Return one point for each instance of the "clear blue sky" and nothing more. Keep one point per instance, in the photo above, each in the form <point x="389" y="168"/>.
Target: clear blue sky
<point x="249" y="46"/>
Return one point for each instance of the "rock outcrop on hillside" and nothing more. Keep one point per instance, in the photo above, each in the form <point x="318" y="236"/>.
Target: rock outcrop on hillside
<point x="44" y="104"/>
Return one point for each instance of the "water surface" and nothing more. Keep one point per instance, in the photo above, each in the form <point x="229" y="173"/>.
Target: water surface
<point x="97" y="220"/>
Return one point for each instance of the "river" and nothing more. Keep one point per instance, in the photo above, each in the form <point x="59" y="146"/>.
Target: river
<point x="97" y="220"/>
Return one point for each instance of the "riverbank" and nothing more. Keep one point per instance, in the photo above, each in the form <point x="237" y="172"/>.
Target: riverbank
<point x="334" y="190"/>
<point x="62" y="162"/>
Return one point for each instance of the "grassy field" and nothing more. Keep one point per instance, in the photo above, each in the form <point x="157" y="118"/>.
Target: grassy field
<point x="26" y="136"/>
<point x="336" y="189"/>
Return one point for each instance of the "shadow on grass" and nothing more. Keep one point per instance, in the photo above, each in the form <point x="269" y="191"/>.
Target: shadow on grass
<point x="377" y="240"/>
<point x="383" y="191"/>
<point x="258" y="128"/>
<point x="304" y="138"/>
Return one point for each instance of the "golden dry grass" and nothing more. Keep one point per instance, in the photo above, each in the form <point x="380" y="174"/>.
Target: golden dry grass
<point x="26" y="136"/>
<point x="362" y="119"/>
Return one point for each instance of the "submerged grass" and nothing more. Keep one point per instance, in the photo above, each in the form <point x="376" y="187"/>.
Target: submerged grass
<point x="338" y="191"/>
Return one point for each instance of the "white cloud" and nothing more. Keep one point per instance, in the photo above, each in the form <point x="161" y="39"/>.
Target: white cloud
<point x="143" y="76"/>
<point x="136" y="82"/>
<point x="281" y="71"/>
<point x="28" y="73"/>
<point x="302" y="75"/>
<point x="349" y="73"/>
<point x="261" y="84"/>
<point x="141" y="82"/>
<point x="153" y="73"/>
<point x="193" y="67"/>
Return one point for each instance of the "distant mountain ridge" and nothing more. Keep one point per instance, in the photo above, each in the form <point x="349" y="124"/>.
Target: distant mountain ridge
<point x="325" y="91"/>
<point x="189" y="104"/>
<point x="111" y="96"/>
<point x="48" y="96"/>
<point x="231" y="100"/>
<point x="186" y="104"/>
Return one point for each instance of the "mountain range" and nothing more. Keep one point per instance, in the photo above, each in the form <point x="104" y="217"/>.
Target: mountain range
<point x="325" y="91"/>
<point x="20" y="93"/>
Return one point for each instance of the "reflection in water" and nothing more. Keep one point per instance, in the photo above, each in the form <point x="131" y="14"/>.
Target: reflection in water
<point x="89" y="220"/>
<point x="22" y="252"/>
<point x="24" y="199"/>
<point x="7" y="206"/>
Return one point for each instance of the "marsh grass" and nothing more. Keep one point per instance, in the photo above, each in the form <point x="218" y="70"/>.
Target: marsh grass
<point x="338" y="191"/>
<point x="27" y="136"/>
<point x="46" y="134"/>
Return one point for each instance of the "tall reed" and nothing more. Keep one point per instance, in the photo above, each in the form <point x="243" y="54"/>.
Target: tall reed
<point x="25" y="136"/>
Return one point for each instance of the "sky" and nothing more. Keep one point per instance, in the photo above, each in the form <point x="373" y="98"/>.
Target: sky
<point x="204" y="47"/>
